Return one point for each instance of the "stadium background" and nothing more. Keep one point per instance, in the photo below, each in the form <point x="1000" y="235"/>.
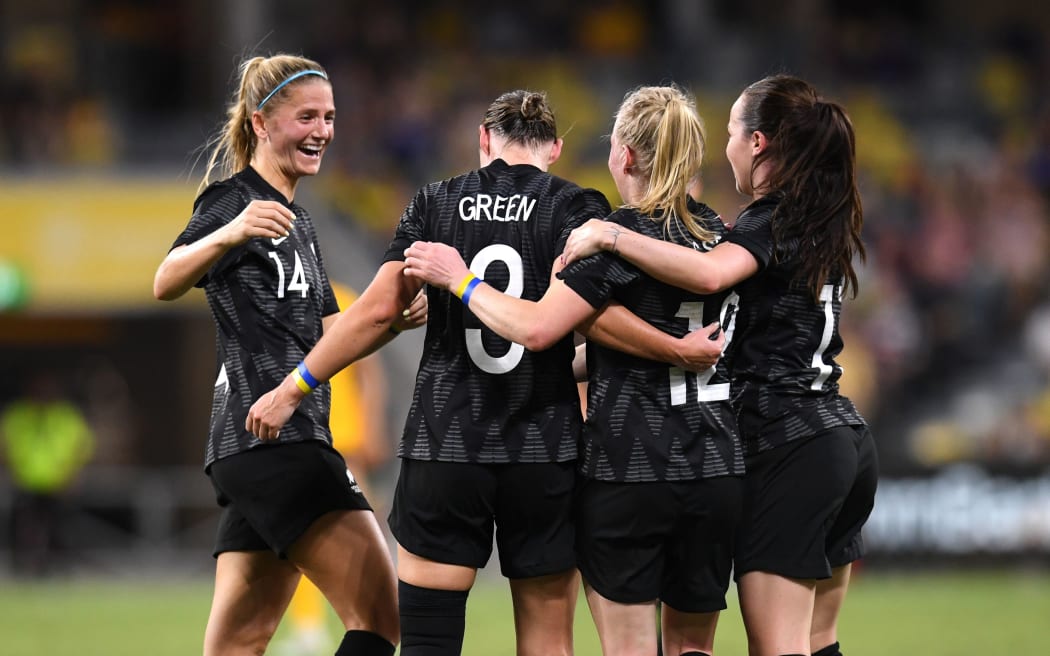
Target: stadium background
<point x="105" y="103"/>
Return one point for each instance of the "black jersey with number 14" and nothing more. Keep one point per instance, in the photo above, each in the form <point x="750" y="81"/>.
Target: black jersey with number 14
<point x="478" y="397"/>
<point x="267" y="297"/>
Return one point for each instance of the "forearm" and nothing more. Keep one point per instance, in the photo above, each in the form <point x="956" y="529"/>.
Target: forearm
<point x="185" y="265"/>
<point x="513" y="318"/>
<point x="617" y="328"/>
<point x="673" y="264"/>
<point x="363" y="327"/>
<point x="353" y="336"/>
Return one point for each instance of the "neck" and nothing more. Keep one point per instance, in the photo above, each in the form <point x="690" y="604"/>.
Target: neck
<point x="634" y="189"/>
<point x="273" y="175"/>
<point x="513" y="154"/>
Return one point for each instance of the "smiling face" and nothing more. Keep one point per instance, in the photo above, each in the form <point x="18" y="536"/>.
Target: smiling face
<point x="292" y="138"/>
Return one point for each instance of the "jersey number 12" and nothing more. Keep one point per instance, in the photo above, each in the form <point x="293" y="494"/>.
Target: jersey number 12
<point x="678" y="377"/>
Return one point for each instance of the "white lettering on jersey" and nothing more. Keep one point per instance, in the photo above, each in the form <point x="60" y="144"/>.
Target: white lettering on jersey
<point x="827" y="298"/>
<point x="298" y="283"/>
<point x="484" y="207"/>
<point x="677" y="378"/>
<point x="515" y="286"/>
<point x="222" y="382"/>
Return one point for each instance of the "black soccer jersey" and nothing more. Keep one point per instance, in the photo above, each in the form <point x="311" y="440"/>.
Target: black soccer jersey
<point x="267" y="297"/>
<point x="647" y="420"/>
<point x="478" y="397"/>
<point x="785" y="378"/>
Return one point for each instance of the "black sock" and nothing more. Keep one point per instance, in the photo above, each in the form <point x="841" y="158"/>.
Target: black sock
<point x="432" y="621"/>
<point x="694" y="653"/>
<point x="364" y="643"/>
<point x="830" y="650"/>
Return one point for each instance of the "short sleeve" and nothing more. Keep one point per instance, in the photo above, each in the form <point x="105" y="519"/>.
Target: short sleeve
<point x="216" y="206"/>
<point x="753" y="230"/>
<point x="581" y="207"/>
<point x="409" y="229"/>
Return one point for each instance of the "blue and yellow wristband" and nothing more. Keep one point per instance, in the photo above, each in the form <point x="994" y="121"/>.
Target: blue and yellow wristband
<point x="466" y="287"/>
<point x="304" y="380"/>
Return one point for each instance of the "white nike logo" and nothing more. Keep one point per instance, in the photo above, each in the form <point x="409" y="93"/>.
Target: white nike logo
<point x="277" y="240"/>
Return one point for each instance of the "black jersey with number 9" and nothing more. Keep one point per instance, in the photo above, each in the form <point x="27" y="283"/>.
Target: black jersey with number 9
<point x="478" y="397"/>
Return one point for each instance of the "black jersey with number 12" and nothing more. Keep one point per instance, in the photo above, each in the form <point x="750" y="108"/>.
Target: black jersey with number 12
<point x="649" y="421"/>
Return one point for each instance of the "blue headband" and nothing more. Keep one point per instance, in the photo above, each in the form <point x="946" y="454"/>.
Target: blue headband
<point x="294" y="76"/>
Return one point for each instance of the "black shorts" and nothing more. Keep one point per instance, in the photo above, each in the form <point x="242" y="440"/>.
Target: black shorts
<point x="446" y="512"/>
<point x="271" y="494"/>
<point x="806" y="503"/>
<point x="637" y="542"/>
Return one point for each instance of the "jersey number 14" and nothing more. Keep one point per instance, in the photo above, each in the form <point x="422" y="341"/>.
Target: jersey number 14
<point x="298" y="281"/>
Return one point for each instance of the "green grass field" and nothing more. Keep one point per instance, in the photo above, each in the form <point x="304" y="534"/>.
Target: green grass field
<point x="931" y="614"/>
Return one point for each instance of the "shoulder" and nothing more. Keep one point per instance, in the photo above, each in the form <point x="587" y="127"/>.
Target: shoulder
<point x="705" y="213"/>
<point x="573" y="195"/>
<point x="629" y="217"/>
<point x="758" y="212"/>
<point x="211" y="194"/>
<point x="224" y="192"/>
<point x="442" y="189"/>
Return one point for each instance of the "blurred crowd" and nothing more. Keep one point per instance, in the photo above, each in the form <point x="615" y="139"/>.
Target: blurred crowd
<point x="948" y="345"/>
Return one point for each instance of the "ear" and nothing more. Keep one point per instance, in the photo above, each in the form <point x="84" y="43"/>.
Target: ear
<point x="259" y="126"/>
<point x="484" y="140"/>
<point x="759" y="142"/>
<point x="555" y="152"/>
<point x="627" y="158"/>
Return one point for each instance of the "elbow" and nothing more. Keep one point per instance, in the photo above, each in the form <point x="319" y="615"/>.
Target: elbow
<point x="710" y="284"/>
<point x="164" y="285"/>
<point x="165" y="290"/>
<point x="162" y="293"/>
<point x="539" y="338"/>
<point x="386" y="313"/>
<point x="706" y="287"/>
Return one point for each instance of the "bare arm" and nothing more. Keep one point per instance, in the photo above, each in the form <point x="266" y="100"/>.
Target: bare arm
<point x="535" y="325"/>
<point x="187" y="264"/>
<point x="703" y="273"/>
<point x="361" y="329"/>
<point x="579" y="363"/>
<point x="618" y="328"/>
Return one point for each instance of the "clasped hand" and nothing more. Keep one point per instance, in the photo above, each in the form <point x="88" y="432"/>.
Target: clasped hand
<point x="437" y="264"/>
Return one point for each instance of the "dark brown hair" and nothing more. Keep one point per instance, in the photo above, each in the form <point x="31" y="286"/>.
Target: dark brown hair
<point x="522" y="116"/>
<point x="812" y="166"/>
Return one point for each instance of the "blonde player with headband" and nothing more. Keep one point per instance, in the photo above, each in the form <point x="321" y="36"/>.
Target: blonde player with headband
<point x="289" y="506"/>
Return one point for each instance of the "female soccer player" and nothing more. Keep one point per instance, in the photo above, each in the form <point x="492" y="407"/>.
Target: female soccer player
<point x="490" y="440"/>
<point x="811" y="463"/>
<point x="290" y="506"/>
<point x="661" y="458"/>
